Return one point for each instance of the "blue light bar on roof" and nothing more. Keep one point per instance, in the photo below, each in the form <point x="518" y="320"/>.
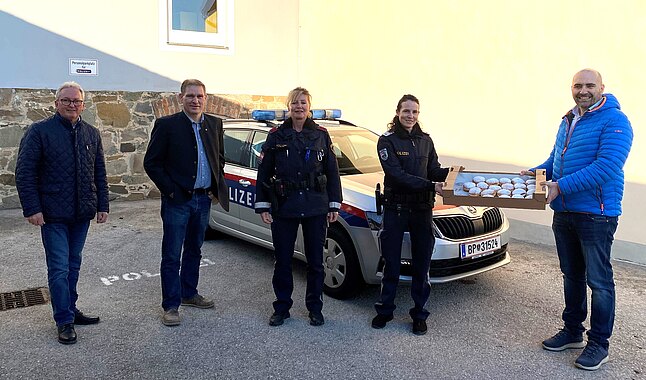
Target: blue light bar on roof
<point x="326" y="114"/>
<point x="282" y="114"/>
<point x="269" y="114"/>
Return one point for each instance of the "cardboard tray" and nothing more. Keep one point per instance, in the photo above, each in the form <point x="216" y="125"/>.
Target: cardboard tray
<point x="453" y="193"/>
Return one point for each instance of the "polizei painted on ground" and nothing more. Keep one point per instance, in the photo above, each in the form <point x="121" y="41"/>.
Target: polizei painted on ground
<point x="133" y="276"/>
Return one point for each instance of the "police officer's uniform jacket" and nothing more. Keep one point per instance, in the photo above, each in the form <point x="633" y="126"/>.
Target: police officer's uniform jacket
<point x="298" y="174"/>
<point x="411" y="167"/>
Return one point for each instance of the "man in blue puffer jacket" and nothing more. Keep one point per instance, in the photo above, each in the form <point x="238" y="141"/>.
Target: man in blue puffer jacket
<point x="587" y="184"/>
<point x="62" y="184"/>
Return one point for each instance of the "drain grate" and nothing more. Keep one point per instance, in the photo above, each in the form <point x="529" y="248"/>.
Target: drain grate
<point x="23" y="298"/>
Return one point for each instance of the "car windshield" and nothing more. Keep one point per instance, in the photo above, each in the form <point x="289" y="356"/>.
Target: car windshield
<point x="355" y="150"/>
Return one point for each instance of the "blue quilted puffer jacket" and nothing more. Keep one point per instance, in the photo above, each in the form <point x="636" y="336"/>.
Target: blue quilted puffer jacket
<point x="60" y="171"/>
<point x="589" y="167"/>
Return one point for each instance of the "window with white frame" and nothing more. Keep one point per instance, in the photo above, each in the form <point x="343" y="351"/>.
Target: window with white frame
<point x="201" y="23"/>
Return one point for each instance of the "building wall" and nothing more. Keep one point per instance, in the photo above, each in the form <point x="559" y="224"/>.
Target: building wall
<point x="124" y="35"/>
<point x="125" y="120"/>
<point x="493" y="77"/>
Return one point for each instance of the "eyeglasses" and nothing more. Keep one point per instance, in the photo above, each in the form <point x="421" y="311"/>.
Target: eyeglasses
<point x="67" y="102"/>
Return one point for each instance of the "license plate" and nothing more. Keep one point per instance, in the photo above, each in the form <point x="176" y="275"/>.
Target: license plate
<point x="479" y="248"/>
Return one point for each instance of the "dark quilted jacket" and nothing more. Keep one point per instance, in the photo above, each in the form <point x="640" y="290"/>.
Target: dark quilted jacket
<point x="61" y="171"/>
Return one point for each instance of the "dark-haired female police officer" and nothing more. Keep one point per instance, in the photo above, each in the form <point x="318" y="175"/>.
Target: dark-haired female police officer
<point x="298" y="184"/>
<point x="411" y="167"/>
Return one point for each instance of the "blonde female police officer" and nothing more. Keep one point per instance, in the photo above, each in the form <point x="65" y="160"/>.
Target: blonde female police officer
<point x="411" y="167"/>
<point x="298" y="184"/>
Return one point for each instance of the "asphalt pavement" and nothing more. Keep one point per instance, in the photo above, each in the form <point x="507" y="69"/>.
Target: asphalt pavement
<point x="486" y="327"/>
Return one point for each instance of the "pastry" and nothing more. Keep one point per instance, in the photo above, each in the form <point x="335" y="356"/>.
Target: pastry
<point x="482" y="185"/>
<point x="517" y="180"/>
<point x="468" y="186"/>
<point x="492" y="181"/>
<point x="478" y="178"/>
<point x="475" y="191"/>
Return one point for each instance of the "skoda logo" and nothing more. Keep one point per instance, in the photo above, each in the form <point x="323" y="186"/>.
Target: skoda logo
<point x="472" y="210"/>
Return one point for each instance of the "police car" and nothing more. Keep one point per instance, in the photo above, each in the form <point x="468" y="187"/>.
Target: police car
<point x="469" y="240"/>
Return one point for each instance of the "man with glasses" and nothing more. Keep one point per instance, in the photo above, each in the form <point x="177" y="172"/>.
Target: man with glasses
<point x="185" y="160"/>
<point x="62" y="185"/>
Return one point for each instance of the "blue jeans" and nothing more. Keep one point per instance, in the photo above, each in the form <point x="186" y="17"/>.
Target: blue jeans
<point x="63" y="244"/>
<point x="583" y="244"/>
<point x="184" y="225"/>
<point x="283" y="232"/>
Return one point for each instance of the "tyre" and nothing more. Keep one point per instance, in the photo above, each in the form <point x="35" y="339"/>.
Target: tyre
<point x="342" y="272"/>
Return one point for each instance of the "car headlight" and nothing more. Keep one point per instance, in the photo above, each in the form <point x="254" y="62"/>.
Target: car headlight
<point x="374" y="220"/>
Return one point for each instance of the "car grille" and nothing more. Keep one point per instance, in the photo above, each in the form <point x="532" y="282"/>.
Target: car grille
<point x="450" y="267"/>
<point x="462" y="227"/>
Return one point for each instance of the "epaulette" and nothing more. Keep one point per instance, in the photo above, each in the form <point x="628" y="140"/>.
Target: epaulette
<point x="274" y="129"/>
<point x="321" y="128"/>
<point x="388" y="133"/>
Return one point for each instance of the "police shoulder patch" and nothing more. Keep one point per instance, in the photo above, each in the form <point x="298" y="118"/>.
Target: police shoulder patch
<point x="383" y="154"/>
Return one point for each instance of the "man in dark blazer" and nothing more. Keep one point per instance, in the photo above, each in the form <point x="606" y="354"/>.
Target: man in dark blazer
<point x="185" y="159"/>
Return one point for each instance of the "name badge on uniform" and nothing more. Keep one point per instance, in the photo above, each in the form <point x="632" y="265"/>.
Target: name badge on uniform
<point x="402" y="153"/>
<point x="383" y="154"/>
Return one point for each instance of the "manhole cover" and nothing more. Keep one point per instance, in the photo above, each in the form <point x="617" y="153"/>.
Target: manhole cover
<point x="23" y="298"/>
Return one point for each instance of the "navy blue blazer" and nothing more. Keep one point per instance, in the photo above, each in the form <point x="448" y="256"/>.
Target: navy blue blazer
<point x="171" y="157"/>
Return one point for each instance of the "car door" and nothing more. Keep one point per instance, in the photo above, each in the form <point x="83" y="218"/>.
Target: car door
<point x="234" y="143"/>
<point x="250" y="222"/>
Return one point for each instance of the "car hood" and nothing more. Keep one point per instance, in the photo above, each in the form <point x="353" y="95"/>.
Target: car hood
<point x="359" y="191"/>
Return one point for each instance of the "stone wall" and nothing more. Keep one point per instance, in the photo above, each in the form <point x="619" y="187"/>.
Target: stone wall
<point x="125" y="120"/>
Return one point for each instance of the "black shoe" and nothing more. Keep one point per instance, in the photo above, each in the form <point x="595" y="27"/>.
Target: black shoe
<point x="66" y="334"/>
<point x="419" y="327"/>
<point x="82" y="319"/>
<point x="379" y="322"/>
<point x="277" y="319"/>
<point x="316" y="318"/>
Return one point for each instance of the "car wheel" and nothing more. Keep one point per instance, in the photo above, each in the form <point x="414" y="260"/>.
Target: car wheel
<point x="341" y="266"/>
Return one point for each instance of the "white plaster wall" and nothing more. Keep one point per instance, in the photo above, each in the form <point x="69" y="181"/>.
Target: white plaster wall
<point x="124" y="36"/>
<point x="493" y="78"/>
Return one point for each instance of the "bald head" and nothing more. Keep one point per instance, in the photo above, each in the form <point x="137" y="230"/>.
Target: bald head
<point x="587" y="89"/>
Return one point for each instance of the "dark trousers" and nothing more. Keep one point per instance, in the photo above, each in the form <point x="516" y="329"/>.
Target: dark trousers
<point x="583" y="244"/>
<point x="283" y="232"/>
<point x="422" y="239"/>
<point x="63" y="244"/>
<point x="184" y="226"/>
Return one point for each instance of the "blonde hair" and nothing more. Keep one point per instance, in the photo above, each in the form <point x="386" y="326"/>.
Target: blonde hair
<point x="295" y="93"/>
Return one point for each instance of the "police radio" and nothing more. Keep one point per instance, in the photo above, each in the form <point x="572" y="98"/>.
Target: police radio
<point x="379" y="198"/>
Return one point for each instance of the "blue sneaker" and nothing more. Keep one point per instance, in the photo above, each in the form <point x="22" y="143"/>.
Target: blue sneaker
<point x="592" y="357"/>
<point x="563" y="340"/>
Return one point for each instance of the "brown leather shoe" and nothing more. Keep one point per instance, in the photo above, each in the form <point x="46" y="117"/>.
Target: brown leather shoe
<point x="171" y="317"/>
<point x="198" y="301"/>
